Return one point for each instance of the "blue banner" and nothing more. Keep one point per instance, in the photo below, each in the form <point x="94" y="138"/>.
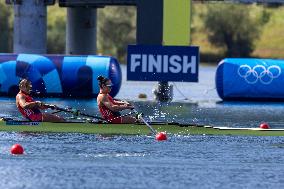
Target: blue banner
<point x="162" y="63"/>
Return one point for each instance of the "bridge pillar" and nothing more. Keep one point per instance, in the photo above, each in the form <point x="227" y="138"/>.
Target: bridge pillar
<point x="81" y="30"/>
<point x="29" y="27"/>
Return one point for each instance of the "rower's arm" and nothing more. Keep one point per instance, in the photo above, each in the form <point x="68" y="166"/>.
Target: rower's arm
<point x="28" y="105"/>
<point x="118" y="102"/>
<point x="124" y="103"/>
<point x="114" y="107"/>
<point x="121" y="102"/>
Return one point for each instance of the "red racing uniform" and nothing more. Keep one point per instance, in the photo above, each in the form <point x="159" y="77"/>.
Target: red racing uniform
<point x="107" y="114"/>
<point x="32" y="114"/>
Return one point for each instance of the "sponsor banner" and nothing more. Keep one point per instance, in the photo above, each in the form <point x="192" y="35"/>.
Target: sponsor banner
<point x="162" y="63"/>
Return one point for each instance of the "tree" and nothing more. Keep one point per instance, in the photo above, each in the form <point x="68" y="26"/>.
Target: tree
<point x="231" y="26"/>
<point x="116" y="31"/>
<point x="5" y="28"/>
<point x="56" y="30"/>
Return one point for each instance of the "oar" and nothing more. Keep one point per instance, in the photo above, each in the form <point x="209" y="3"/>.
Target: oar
<point x="147" y="124"/>
<point x="73" y="111"/>
<point x="159" y="136"/>
<point x="78" y="112"/>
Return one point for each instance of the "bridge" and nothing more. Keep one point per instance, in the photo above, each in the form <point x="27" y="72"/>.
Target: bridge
<point x="159" y="22"/>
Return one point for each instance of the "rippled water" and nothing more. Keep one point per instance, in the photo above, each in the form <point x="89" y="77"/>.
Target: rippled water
<point x="96" y="161"/>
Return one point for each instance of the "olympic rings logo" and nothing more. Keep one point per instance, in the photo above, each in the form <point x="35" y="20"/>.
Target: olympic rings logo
<point x="259" y="73"/>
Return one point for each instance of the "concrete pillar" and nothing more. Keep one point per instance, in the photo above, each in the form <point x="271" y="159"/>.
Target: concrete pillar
<point x="30" y="27"/>
<point x="81" y="30"/>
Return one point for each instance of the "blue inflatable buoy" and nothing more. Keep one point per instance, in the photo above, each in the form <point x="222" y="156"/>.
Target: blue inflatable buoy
<point x="250" y="79"/>
<point x="58" y="75"/>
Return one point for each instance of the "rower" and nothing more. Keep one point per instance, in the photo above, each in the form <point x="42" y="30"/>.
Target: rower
<point x="110" y="108"/>
<point x="30" y="109"/>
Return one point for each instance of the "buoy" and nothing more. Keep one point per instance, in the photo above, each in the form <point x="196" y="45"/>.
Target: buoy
<point x="264" y="126"/>
<point x="17" y="149"/>
<point x="58" y="75"/>
<point x="161" y="136"/>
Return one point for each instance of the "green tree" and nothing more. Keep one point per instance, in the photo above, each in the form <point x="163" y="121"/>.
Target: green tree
<point x="116" y="29"/>
<point x="56" y="30"/>
<point x="232" y="27"/>
<point x="5" y="28"/>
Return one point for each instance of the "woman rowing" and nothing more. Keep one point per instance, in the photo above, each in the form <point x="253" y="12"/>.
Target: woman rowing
<point x="30" y="109"/>
<point x="110" y="108"/>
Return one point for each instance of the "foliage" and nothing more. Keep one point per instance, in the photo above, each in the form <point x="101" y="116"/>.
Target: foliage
<point x="231" y="26"/>
<point x="56" y="32"/>
<point x="116" y="31"/>
<point x="5" y="28"/>
<point x="251" y="25"/>
<point x="270" y="45"/>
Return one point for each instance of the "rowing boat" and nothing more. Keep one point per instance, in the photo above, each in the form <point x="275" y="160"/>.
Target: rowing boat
<point x="133" y="129"/>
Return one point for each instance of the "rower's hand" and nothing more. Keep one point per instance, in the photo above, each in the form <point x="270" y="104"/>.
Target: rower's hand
<point x="125" y="102"/>
<point x="39" y="103"/>
<point x="129" y="106"/>
<point x="52" y="106"/>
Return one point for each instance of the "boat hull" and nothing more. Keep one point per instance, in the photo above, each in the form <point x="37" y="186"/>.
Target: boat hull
<point x="134" y="129"/>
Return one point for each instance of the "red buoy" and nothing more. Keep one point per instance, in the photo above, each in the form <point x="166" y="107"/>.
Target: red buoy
<point x="161" y="136"/>
<point x="17" y="149"/>
<point x="264" y="126"/>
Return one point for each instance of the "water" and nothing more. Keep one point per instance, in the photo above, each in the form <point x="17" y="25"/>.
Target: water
<point x="96" y="161"/>
<point x="93" y="161"/>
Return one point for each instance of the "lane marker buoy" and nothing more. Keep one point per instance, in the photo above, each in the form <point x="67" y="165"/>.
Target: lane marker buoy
<point x="17" y="149"/>
<point x="264" y="126"/>
<point x="161" y="136"/>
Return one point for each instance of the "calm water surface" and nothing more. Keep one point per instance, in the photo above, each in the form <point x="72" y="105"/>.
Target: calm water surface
<point x="95" y="161"/>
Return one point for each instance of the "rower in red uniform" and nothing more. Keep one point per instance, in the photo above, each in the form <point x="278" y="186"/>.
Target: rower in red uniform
<point x="30" y="109"/>
<point x="110" y="108"/>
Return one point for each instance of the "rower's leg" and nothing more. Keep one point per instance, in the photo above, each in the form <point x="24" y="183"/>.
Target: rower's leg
<point x="46" y="117"/>
<point x="128" y="119"/>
